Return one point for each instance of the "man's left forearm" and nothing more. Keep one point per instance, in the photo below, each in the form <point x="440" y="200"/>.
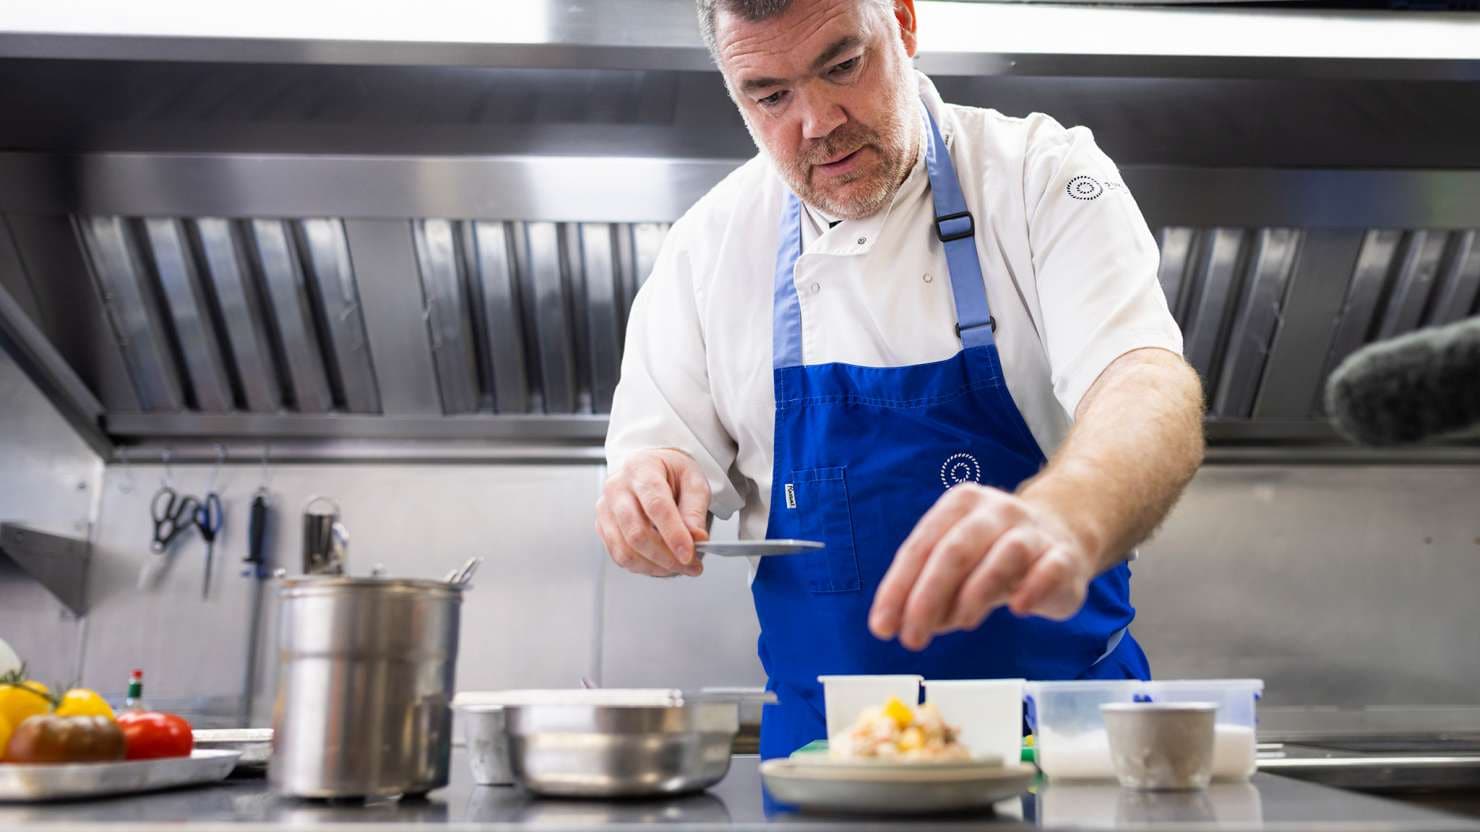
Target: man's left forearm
<point x="1136" y="442"/>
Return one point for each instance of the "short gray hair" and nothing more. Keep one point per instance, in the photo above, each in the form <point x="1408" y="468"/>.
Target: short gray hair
<point x="749" y="10"/>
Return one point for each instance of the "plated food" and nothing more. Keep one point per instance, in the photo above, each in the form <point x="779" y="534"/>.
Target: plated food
<point x="897" y="732"/>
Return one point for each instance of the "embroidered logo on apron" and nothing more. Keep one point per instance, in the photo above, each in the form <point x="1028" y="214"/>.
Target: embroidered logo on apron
<point x="959" y="468"/>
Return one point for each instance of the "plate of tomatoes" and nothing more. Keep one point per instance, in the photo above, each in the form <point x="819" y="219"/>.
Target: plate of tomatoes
<point x="72" y="745"/>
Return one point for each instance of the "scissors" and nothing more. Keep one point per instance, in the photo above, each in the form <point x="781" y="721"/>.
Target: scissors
<point x="172" y="514"/>
<point x="208" y="520"/>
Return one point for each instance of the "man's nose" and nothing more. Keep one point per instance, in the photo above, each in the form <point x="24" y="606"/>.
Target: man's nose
<point x="820" y="115"/>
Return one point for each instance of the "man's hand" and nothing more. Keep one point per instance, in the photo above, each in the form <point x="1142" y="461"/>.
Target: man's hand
<point x="652" y="511"/>
<point x="1137" y="440"/>
<point x="974" y="550"/>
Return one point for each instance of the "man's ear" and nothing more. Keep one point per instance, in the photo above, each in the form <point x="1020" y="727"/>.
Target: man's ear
<point x="904" y="14"/>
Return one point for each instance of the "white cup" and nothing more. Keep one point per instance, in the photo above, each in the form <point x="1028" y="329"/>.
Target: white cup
<point x="844" y="697"/>
<point x="988" y="712"/>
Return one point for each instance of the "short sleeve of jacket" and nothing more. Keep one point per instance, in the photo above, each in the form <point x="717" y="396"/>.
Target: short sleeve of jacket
<point x="663" y="399"/>
<point x="1095" y="261"/>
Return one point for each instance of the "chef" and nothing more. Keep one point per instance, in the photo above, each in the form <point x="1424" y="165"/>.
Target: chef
<point x="931" y="337"/>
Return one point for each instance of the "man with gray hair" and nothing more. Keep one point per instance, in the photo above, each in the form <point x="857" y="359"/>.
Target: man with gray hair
<point x="928" y="336"/>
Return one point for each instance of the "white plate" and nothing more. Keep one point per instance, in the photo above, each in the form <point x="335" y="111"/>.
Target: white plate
<point x="756" y="548"/>
<point x="893" y="790"/>
<point x="36" y="782"/>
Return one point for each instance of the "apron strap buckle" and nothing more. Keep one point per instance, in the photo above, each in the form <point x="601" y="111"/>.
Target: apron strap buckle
<point x="991" y="321"/>
<point x="960" y="230"/>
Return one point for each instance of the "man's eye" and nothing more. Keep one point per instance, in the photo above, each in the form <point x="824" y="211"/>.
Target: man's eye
<point x="845" y="67"/>
<point x="773" y="99"/>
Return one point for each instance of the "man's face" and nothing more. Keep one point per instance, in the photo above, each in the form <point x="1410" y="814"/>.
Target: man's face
<point x="827" y="91"/>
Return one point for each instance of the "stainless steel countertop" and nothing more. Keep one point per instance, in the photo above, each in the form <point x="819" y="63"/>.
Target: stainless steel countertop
<point x="243" y="804"/>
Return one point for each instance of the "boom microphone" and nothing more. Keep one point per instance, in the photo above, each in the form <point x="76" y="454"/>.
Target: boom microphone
<point x="1417" y="386"/>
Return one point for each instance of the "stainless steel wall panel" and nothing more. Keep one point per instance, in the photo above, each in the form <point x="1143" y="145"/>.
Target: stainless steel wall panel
<point x="189" y="306"/>
<point x="1300" y="576"/>
<point x="1365" y="294"/>
<point x="1294" y="373"/>
<point x="447" y="318"/>
<point x="1251" y="337"/>
<point x="500" y="314"/>
<point x="1176" y="252"/>
<point x="49" y="481"/>
<point x="603" y="306"/>
<point x="137" y="321"/>
<point x="545" y="307"/>
<point x="338" y="300"/>
<point x="715" y="645"/>
<point x="384" y="256"/>
<point x="291" y="315"/>
<point x="1217" y="274"/>
<point x="1459" y="287"/>
<point x="242" y="313"/>
<point x="527" y="621"/>
<point x="70" y="308"/>
<point x="1413" y="282"/>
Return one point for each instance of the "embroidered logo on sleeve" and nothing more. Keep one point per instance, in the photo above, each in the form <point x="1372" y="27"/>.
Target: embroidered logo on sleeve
<point x="1087" y="187"/>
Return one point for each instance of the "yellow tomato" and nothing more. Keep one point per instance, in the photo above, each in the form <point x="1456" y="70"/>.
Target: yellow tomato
<point x="899" y="712"/>
<point x="4" y="737"/>
<point x="83" y="702"/>
<point x="17" y="702"/>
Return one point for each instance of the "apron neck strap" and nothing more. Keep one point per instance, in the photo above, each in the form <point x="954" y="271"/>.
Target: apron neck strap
<point x="956" y="230"/>
<point x="954" y="227"/>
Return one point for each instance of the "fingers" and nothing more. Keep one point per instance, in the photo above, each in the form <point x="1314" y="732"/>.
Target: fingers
<point x="693" y="501"/>
<point x="624" y="555"/>
<point x="639" y="520"/>
<point x="1054" y="587"/>
<point x="996" y="577"/>
<point x="673" y="540"/>
<point x="637" y="531"/>
<point x="954" y="558"/>
<point x="887" y="614"/>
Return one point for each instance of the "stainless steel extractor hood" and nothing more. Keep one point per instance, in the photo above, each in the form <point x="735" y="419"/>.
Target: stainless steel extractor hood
<point x="274" y="242"/>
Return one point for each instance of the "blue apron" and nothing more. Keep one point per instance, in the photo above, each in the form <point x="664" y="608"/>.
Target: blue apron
<point x="861" y="454"/>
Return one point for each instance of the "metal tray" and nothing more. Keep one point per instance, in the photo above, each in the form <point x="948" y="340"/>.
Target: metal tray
<point x="255" y="745"/>
<point x="756" y="548"/>
<point x="35" y="783"/>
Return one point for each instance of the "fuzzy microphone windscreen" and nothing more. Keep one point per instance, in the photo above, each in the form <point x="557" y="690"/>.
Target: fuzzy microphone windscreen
<point x="1417" y="386"/>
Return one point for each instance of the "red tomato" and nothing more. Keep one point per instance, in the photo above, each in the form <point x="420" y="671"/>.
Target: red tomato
<point x="149" y="735"/>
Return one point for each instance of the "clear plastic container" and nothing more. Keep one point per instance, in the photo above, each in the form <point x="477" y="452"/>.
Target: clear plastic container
<point x="1069" y="732"/>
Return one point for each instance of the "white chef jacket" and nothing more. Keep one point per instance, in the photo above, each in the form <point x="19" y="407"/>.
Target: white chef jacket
<point x="1069" y="263"/>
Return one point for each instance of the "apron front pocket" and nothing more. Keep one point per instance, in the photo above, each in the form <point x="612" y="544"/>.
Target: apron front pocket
<point x="819" y="496"/>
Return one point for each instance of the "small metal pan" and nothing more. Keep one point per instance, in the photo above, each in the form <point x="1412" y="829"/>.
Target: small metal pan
<point x="756" y="548"/>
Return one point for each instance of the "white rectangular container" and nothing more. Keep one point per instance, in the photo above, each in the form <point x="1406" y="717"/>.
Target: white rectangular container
<point x="844" y="697"/>
<point x="989" y="713"/>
